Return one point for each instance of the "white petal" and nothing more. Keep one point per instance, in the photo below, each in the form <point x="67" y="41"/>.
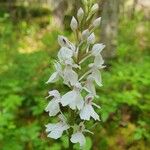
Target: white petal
<point x="55" y="134"/>
<point x="79" y="102"/>
<point x="93" y="113"/>
<point x="54" y="93"/>
<point x="50" y="126"/>
<point x="65" y="127"/>
<point x="53" y="108"/>
<point x="98" y="61"/>
<point x="97" y="48"/>
<point x="65" y="53"/>
<point x="58" y="67"/>
<point x="97" y="77"/>
<point x="53" y="78"/>
<point x="70" y="75"/>
<point x="78" y="138"/>
<point x="68" y="98"/>
<point x="85" y="112"/>
<point x="89" y="85"/>
<point x="96" y="105"/>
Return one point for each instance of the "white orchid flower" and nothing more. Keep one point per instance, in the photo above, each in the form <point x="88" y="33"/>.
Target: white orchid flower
<point x="96" y="50"/>
<point x="78" y="136"/>
<point x="87" y="111"/>
<point x="53" y="106"/>
<point x="64" y="42"/>
<point x="56" y="130"/>
<point x="73" y="98"/>
<point x="57" y="74"/>
<point x="71" y="56"/>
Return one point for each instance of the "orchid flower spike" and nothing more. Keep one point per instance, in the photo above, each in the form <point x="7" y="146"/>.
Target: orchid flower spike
<point x="78" y="65"/>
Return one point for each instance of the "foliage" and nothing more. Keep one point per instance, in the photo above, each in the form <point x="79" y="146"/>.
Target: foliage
<point x="124" y="98"/>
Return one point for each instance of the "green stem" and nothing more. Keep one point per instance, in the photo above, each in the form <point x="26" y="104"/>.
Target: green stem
<point x="70" y="144"/>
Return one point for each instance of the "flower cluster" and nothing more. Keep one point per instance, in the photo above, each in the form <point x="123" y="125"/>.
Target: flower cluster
<point x="78" y="66"/>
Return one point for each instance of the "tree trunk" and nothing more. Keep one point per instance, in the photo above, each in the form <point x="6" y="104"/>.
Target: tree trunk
<point x="133" y="9"/>
<point x="59" y="12"/>
<point x="109" y="27"/>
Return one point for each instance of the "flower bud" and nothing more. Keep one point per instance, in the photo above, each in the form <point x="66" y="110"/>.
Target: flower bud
<point x="62" y="40"/>
<point x="94" y="8"/>
<point x="74" y="24"/>
<point x="85" y="34"/>
<point x="80" y="14"/>
<point x="91" y="39"/>
<point x="97" y="22"/>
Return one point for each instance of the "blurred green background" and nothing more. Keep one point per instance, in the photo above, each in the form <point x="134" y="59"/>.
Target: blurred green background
<point x="28" y="47"/>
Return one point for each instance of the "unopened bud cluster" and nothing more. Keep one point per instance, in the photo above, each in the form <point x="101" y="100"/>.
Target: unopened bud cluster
<point x="69" y="68"/>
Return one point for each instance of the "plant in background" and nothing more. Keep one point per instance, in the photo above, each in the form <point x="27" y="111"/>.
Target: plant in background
<point x="78" y="66"/>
